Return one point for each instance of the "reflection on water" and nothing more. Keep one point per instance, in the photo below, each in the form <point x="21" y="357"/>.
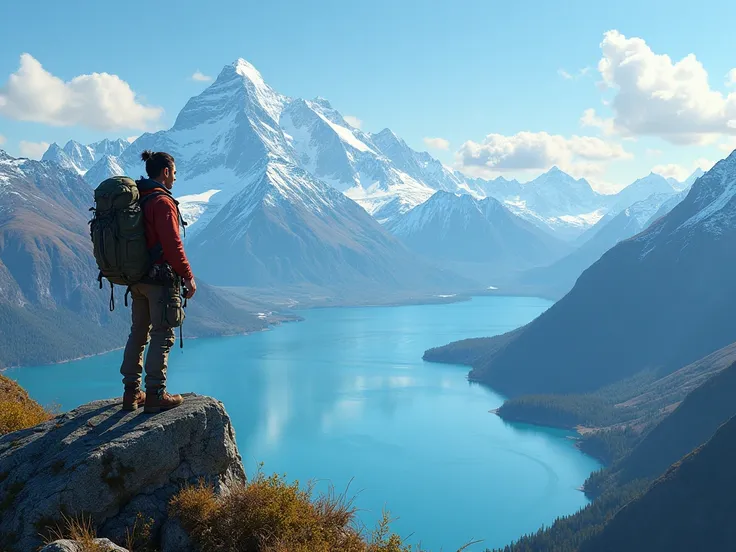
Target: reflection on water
<point x="345" y="396"/>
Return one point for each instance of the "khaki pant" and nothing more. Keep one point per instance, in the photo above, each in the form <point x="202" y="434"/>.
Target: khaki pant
<point x="149" y="318"/>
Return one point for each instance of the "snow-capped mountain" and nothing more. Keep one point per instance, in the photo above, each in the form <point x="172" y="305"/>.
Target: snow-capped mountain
<point x="106" y="167"/>
<point x="378" y="171"/>
<point x="566" y="207"/>
<point x="44" y="256"/>
<point x="460" y="228"/>
<point x="81" y="158"/>
<point x="554" y="201"/>
<point x="499" y="188"/>
<point x="258" y="175"/>
<point x="559" y="278"/>
<point x="667" y="206"/>
<point x="640" y="190"/>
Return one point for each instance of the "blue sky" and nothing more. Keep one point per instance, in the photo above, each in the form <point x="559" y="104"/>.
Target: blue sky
<point x="522" y="72"/>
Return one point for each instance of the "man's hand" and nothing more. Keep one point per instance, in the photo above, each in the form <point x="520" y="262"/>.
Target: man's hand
<point x="191" y="287"/>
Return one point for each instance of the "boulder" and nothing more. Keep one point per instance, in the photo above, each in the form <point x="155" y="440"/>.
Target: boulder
<point x="110" y="465"/>
<point x="64" y="545"/>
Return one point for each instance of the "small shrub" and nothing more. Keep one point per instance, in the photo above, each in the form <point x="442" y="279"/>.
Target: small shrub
<point x="17" y="410"/>
<point x="267" y="514"/>
<point x="138" y="538"/>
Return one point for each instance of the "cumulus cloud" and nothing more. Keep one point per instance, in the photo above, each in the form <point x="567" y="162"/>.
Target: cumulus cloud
<point x="132" y="139"/>
<point x="590" y="119"/>
<point x="658" y="97"/>
<point x="681" y="172"/>
<point x="33" y="150"/>
<point x="437" y="143"/>
<point x="581" y="155"/>
<point x="353" y="121"/>
<point x="2" y="139"/>
<point x="201" y="77"/>
<point x="731" y="77"/>
<point x="99" y="100"/>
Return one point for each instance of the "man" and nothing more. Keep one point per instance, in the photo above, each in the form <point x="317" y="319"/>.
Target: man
<point x="156" y="305"/>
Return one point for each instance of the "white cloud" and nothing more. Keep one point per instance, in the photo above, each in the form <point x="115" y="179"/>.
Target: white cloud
<point x="564" y="74"/>
<point x="653" y="152"/>
<point x="437" y="143"/>
<point x="568" y="76"/>
<point x="132" y="139"/>
<point x="99" y="100"/>
<point x="353" y="121"/>
<point x="2" y="139"/>
<point x="579" y="155"/>
<point x="728" y="145"/>
<point x="731" y="77"/>
<point x="201" y="77"/>
<point x="680" y="172"/>
<point x="590" y="119"/>
<point x="33" y="150"/>
<point x="657" y="97"/>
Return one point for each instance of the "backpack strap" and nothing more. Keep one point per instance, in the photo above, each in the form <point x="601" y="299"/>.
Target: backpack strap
<point x="112" y="298"/>
<point x="146" y="197"/>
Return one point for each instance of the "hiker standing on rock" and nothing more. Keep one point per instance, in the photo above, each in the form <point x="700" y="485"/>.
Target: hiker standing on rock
<point x="152" y="297"/>
<point x="153" y="267"/>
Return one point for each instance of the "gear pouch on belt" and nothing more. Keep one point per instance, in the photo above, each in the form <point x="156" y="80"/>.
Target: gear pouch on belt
<point x="173" y="313"/>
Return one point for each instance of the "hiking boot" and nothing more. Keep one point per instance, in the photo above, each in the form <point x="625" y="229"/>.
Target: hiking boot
<point x="133" y="397"/>
<point x="158" y="400"/>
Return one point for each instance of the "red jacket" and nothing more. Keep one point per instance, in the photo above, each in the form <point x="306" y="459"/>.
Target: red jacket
<point x="162" y="226"/>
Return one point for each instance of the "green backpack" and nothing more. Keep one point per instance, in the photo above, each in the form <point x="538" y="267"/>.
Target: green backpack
<point x="118" y="233"/>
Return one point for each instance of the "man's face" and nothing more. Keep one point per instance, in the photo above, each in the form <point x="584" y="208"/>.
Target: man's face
<point x="169" y="175"/>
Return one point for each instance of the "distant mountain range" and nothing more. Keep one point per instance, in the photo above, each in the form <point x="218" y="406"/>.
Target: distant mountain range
<point x="81" y="158"/>
<point x="656" y="301"/>
<point x="475" y="236"/>
<point x="239" y="120"/>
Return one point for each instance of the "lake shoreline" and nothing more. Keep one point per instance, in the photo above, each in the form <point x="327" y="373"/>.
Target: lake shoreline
<point x="186" y="338"/>
<point x="421" y="301"/>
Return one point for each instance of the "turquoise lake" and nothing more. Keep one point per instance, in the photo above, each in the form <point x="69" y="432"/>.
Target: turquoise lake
<point x="345" y="395"/>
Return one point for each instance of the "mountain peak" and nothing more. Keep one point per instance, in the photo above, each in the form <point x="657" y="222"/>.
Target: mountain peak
<point x="72" y="143"/>
<point x="247" y="69"/>
<point x="323" y="102"/>
<point x="386" y="132"/>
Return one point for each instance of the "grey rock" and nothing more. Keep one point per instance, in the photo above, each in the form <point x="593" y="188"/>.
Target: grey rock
<point x="104" y="545"/>
<point x="111" y="465"/>
<point x="174" y="538"/>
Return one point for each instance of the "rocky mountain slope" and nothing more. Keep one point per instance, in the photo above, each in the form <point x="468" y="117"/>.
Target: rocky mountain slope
<point x="626" y="312"/>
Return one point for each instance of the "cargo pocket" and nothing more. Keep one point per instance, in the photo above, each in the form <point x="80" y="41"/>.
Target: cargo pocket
<point x="173" y="311"/>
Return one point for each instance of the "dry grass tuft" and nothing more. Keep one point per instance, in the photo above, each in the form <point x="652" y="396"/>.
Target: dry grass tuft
<point x="17" y="410"/>
<point x="79" y="529"/>
<point x="267" y="514"/>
